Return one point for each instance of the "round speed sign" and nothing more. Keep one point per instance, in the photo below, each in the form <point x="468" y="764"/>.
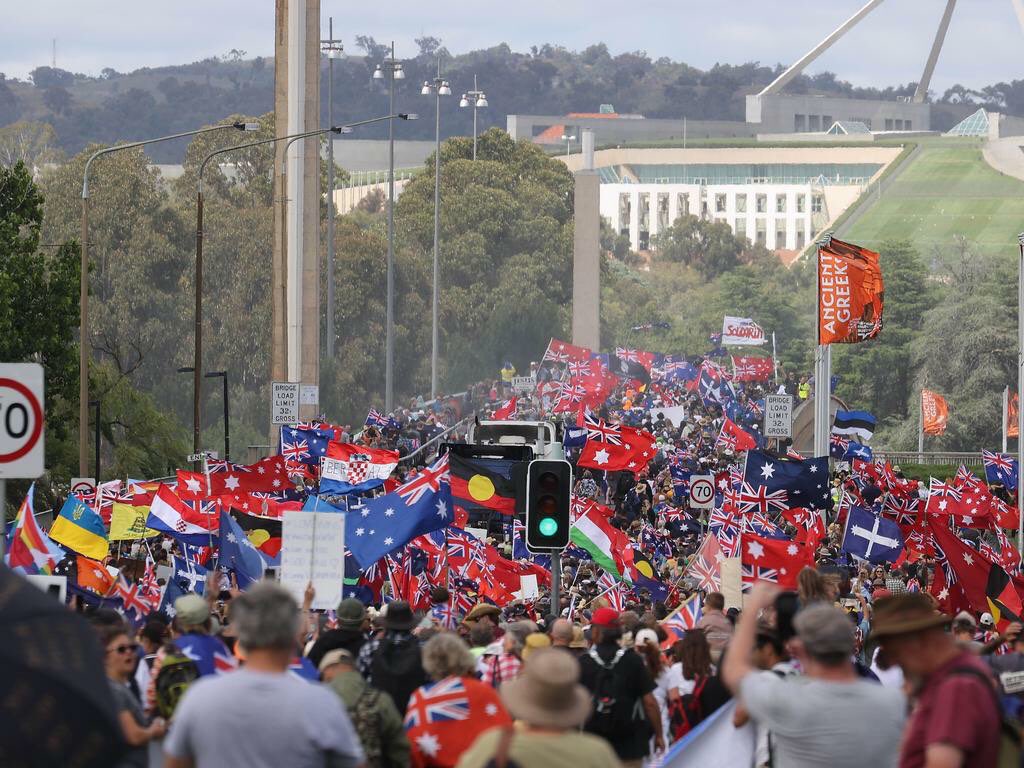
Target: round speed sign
<point x="702" y="491"/>
<point x="21" y="420"/>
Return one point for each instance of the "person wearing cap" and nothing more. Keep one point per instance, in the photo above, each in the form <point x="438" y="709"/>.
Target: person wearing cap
<point x="830" y="717"/>
<point x="438" y="742"/>
<point x="350" y="634"/>
<point x="261" y="716"/>
<point x="392" y="661"/>
<point x="631" y="685"/>
<point x="964" y="630"/>
<point x="549" y="706"/>
<point x="956" y="717"/>
<point x="377" y="722"/>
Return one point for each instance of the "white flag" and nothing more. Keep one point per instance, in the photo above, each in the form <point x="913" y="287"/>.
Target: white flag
<point x="742" y="331"/>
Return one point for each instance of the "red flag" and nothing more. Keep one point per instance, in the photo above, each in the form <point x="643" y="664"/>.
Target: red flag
<point x="775" y="560"/>
<point x="734" y="437"/>
<point x="752" y="368"/>
<point x="1012" y="406"/>
<point x="506" y="410"/>
<point x="563" y="352"/>
<point x="850" y="293"/>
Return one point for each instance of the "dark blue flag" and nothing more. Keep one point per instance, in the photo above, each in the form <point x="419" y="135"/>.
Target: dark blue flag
<point x="871" y="537"/>
<point x="191" y="577"/>
<point x="238" y="554"/>
<point x="305" y="445"/>
<point x="855" y="450"/>
<point x="1000" y="468"/>
<point x="805" y="481"/>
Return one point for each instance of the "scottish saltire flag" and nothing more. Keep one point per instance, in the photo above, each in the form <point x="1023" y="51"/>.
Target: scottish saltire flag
<point x="1000" y="468"/>
<point x="238" y="554"/>
<point x="388" y="522"/>
<point x="29" y="550"/>
<point x="305" y="446"/>
<point x="854" y="423"/>
<point x="871" y="538"/>
<point x="349" y="468"/>
<point x="855" y="450"/>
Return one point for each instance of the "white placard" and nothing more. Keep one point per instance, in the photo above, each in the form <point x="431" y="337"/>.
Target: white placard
<point x="21" y="420"/>
<point x="742" y="331"/>
<point x="284" y="402"/>
<point x="309" y="394"/>
<point x="778" y="416"/>
<point x="57" y="586"/>
<point x="523" y="383"/>
<point x="313" y="549"/>
<point x="528" y="586"/>
<point x="480" y="533"/>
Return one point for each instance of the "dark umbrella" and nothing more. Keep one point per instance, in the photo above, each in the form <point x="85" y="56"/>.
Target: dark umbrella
<point x="56" y="707"/>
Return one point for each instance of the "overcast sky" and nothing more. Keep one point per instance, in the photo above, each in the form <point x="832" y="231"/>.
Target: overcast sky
<point x="984" y="44"/>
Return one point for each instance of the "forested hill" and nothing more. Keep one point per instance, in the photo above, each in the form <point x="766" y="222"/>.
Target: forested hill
<point x="548" y="79"/>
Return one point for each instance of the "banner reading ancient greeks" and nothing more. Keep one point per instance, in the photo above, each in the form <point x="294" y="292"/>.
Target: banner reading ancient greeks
<point x="934" y="412"/>
<point x="850" y="293"/>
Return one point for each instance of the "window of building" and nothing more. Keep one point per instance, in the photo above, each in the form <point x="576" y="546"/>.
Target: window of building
<point x="663" y="222"/>
<point x="741" y="227"/>
<point x="800" y="238"/>
<point x="801" y="203"/>
<point x="682" y="204"/>
<point x="826" y="122"/>
<point x="899" y="124"/>
<point x="761" y="203"/>
<point x="780" y="233"/>
<point x="817" y="203"/>
<point x="741" y="203"/>
<point x="719" y="203"/>
<point x="780" y="203"/>
<point x="865" y="120"/>
<point x="761" y="232"/>
<point x="906" y="125"/>
<point x="813" y="123"/>
<point x="625" y="206"/>
<point x="888" y="123"/>
<point x="799" y="123"/>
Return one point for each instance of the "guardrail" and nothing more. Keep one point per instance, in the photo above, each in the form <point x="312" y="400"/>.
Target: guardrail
<point x="950" y="458"/>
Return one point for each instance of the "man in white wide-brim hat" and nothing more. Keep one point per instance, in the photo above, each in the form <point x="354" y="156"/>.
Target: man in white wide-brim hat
<point x="549" y="706"/>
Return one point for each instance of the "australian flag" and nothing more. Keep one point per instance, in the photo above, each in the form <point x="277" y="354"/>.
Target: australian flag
<point x="389" y="522"/>
<point x="238" y="554"/>
<point x="678" y="368"/>
<point x="1000" y="468"/>
<point x="871" y="537"/>
<point x="804" y="480"/>
<point x="306" y="446"/>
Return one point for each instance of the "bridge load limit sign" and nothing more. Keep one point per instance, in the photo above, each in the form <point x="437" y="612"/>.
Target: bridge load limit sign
<point x="284" y="402"/>
<point x="778" y="416"/>
<point x="21" y="420"/>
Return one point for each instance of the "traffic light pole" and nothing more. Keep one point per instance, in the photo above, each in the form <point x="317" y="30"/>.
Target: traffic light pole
<point x="556" y="583"/>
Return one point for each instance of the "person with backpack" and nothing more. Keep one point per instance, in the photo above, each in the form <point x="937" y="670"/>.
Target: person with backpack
<point x="958" y="718"/>
<point x="701" y="690"/>
<point x="391" y="662"/>
<point x="666" y="679"/>
<point x="625" y="711"/>
<point x="373" y="714"/>
<point x="446" y="715"/>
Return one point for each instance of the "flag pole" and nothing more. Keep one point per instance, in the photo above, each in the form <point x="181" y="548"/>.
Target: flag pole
<point x="775" y="360"/>
<point x="920" y="429"/>
<point x="822" y="366"/>
<point x="1020" y="387"/>
<point x="1006" y="416"/>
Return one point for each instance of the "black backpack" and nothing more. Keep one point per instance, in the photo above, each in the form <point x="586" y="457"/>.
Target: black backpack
<point x="177" y="673"/>
<point x="686" y="712"/>
<point x="612" y="718"/>
<point x="396" y="669"/>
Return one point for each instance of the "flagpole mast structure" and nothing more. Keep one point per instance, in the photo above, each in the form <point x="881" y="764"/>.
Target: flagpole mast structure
<point x="920" y="429"/>
<point x="1020" y="388"/>
<point x="822" y="368"/>
<point x="1005" y="416"/>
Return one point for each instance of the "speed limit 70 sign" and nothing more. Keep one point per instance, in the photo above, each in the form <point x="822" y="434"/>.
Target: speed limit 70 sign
<point x="21" y="420"/>
<point x="702" y="491"/>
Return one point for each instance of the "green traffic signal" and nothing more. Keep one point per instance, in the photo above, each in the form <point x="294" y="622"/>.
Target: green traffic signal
<point x="548" y="526"/>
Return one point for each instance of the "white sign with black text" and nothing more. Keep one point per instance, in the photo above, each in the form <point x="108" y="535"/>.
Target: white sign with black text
<point x="284" y="402"/>
<point x="21" y="420"/>
<point x="778" y="416"/>
<point x="702" y="491"/>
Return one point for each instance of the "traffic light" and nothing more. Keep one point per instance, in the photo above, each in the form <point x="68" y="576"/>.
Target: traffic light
<point x="548" y="490"/>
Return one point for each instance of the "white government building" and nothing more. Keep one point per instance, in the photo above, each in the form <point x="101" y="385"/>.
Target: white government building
<point x="780" y="197"/>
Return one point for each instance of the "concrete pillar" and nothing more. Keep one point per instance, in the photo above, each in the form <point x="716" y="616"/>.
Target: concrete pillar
<point x="586" y="256"/>
<point x="309" y="274"/>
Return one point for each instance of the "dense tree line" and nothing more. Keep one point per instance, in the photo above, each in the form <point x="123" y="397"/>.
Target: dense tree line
<point x="546" y="80"/>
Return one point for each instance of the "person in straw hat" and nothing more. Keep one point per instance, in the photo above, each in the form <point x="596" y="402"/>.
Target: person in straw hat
<point x="549" y="706"/>
<point x="956" y="719"/>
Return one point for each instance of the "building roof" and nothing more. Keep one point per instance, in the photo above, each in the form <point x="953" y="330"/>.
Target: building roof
<point x="975" y="124"/>
<point x="848" y="127"/>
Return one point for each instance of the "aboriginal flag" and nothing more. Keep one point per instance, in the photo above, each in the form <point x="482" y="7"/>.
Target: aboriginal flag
<point x="1003" y="600"/>
<point x="478" y="484"/>
<point x="263" y="532"/>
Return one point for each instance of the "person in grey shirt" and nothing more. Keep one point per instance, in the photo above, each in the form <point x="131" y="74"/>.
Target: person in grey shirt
<point x="828" y="718"/>
<point x="262" y="716"/>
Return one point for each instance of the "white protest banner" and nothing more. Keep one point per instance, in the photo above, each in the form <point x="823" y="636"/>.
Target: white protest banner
<point x="528" y="588"/>
<point x="313" y="549"/>
<point x="742" y="331"/>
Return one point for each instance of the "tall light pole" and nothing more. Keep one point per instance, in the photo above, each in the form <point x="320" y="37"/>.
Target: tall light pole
<point x="395" y="72"/>
<point x="334" y="50"/>
<point x="568" y="138"/>
<point x="84" y="349"/>
<point x="197" y="367"/>
<point x="477" y="99"/>
<point x="439" y="87"/>
<point x="227" y="429"/>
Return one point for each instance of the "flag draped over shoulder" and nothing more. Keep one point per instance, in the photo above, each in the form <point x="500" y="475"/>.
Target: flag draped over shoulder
<point x="934" y="412"/>
<point x="850" y="293"/>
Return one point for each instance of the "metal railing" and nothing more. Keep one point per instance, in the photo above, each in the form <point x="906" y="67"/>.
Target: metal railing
<point x="463" y="422"/>
<point x="947" y="458"/>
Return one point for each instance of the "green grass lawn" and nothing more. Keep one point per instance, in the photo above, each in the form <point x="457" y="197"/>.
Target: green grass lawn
<point x="947" y="190"/>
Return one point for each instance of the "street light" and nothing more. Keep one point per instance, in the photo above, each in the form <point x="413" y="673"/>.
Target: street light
<point x="477" y="99"/>
<point x="334" y="50"/>
<point x="568" y="138"/>
<point x="439" y="87"/>
<point x="395" y="72"/>
<point x="84" y="350"/>
<point x="198" y="340"/>
<point x="227" y="430"/>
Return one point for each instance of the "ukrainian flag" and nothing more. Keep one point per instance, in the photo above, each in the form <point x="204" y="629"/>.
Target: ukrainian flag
<point x="80" y="529"/>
